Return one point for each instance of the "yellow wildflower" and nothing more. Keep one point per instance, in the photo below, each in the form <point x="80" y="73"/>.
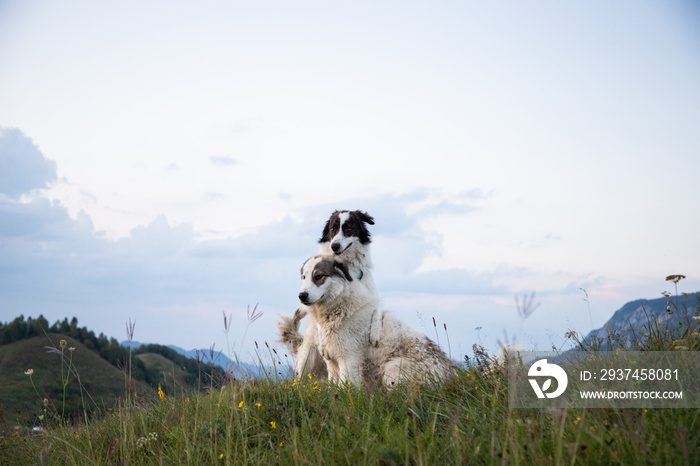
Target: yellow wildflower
<point x="273" y="424"/>
<point x="160" y="393"/>
<point x="240" y="405"/>
<point x="257" y="404"/>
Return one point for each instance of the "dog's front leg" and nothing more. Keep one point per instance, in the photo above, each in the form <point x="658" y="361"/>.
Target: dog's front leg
<point x="351" y="370"/>
<point x="334" y="370"/>
<point x="309" y="361"/>
<point x="375" y="328"/>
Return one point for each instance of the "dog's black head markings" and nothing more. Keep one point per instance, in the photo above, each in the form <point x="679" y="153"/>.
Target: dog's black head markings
<point x="324" y="268"/>
<point x="343" y="226"/>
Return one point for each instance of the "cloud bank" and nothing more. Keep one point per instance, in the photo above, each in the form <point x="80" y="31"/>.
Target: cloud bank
<point x="168" y="279"/>
<point x="23" y="167"/>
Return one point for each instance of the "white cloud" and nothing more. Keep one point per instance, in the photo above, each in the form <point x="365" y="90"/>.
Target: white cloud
<point x="213" y="196"/>
<point x="23" y="167"/>
<point x="222" y="161"/>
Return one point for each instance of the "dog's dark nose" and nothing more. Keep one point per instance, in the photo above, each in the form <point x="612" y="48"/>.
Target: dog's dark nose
<point x="304" y="297"/>
<point x="335" y="247"/>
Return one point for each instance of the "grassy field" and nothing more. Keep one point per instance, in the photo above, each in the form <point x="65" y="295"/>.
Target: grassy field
<point x="464" y="420"/>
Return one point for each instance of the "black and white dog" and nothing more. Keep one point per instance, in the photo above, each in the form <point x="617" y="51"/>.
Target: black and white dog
<point x="345" y="236"/>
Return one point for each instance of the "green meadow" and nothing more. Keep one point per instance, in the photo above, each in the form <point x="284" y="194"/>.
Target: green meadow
<point x="65" y="419"/>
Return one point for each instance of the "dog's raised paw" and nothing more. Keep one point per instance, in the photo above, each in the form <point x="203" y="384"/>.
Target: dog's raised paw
<point x="300" y="313"/>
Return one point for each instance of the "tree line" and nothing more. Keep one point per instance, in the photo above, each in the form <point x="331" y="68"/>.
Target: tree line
<point x="109" y="349"/>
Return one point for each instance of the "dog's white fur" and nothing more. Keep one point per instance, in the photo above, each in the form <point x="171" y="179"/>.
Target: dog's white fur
<point x="342" y="309"/>
<point x="405" y="354"/>
<point x="341" y="333"/>
<point x="359" y="262"/>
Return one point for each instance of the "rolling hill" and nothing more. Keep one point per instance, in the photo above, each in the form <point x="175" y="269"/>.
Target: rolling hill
<point x="21" y="404"/>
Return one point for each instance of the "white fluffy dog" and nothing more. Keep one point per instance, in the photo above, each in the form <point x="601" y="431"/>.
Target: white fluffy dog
<point x="343" y="310"/>
<point x="346" y="236"/>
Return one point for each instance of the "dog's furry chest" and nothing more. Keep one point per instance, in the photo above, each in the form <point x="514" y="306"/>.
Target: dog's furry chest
<point x="340" y="333"/>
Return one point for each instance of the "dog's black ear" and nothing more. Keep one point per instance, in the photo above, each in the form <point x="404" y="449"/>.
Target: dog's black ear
<point x="365" y="217"/>
<point x="326" y="235"/>
<point x="343" y="268"/>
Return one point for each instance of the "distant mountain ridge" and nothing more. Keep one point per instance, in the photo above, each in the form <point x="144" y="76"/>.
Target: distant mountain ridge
<point x="634" y="316"/>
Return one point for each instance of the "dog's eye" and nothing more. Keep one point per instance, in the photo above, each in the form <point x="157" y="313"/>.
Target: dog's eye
<point x="318" y="277"/>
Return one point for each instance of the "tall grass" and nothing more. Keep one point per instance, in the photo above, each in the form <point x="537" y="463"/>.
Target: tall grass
<point x="276" y="420"/>
<point x="466" y="420"/>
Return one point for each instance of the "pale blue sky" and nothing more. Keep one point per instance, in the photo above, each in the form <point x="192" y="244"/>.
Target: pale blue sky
<point x="171" y="160"/>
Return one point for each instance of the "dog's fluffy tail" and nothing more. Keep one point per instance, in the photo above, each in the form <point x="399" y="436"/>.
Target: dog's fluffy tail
<point x="289" y="330"/>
